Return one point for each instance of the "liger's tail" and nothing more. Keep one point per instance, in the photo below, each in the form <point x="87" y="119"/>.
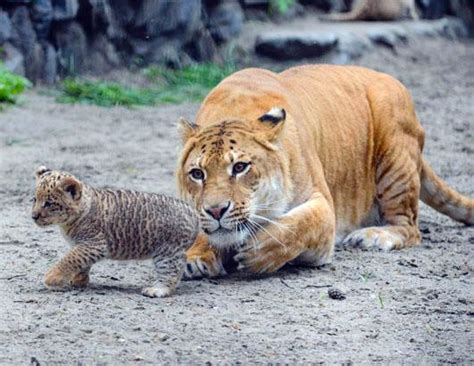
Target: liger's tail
<point x="437" y="194"/>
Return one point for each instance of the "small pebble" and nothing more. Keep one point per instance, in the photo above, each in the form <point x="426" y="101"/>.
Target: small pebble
<point x="336" y="294"/>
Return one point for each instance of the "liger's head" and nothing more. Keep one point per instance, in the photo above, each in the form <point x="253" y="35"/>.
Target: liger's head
<point x="235" y="174"/>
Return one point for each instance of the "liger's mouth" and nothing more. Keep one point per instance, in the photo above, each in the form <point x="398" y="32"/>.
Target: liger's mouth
<point x="239" y="227"/>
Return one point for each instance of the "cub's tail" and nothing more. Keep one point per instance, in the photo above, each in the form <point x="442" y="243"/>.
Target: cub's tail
<point x="437" y="194"/>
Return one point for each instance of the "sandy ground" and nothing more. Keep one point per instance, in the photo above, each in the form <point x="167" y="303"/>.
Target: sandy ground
<point x="413" y="306"/>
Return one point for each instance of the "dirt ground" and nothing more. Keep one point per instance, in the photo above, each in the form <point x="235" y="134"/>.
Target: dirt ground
<point x="412" y="306"/>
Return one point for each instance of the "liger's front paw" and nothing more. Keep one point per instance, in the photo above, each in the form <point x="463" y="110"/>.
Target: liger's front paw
<point x="55" y="279"/>
<point x="208" y="265"/>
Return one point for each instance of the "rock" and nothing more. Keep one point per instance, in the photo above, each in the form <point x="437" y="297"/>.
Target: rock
<point x="50" y="66"/>
<point x="113" y="18"/>
<point x="203" y="48"/>
<point x="42" y="15"/>
<point x="179" y="19"/>
<point x="433" y="9"/>
<point x="383" y="37"/>
<point x="24" y="39"/>
<point x="5" y="27"/>
<point x="23" y="33"/>
<point x="336" y="294"/>
<point x="464" y="9"/>
<point x="102" y="56"/>
<point x="170" y="56"/>
<point x="295" y="45"/>
<point x="351" y="47"/>
<point x="13" y="59"/>
<point x="226" y="21"/>
<point x="330" y="6"/>
<point x="65" y="9"/>
<point x="452" y="28"/>
<point x="34" y="63"/>
<point x="71" y="46"/>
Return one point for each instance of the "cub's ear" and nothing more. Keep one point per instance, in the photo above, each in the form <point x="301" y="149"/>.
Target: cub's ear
<point x="186" y="129"/>
<point x="72" y="187"/>
<point x="41" y="170"/>
<point x="274" y="119"/>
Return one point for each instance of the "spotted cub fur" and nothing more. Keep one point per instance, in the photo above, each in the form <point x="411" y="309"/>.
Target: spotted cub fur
<point x="113" y="224"/>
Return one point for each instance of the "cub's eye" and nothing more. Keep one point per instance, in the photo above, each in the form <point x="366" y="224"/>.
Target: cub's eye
<point x="196" y="174"/>
<point x="47" y="204"/>
<point x="239" y="167"/>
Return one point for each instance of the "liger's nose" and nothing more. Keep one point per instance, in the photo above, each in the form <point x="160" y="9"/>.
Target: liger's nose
<point x="218" y="211"/>
<point x="35" y="215"/>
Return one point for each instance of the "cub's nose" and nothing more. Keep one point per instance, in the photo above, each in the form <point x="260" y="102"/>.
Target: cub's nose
<point x="35" y="215"/>
<point x="217" y="211"/>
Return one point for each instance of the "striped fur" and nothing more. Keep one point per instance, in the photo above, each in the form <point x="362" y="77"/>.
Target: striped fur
<point x="344" y="162"/>
<point x="113" y="224"/>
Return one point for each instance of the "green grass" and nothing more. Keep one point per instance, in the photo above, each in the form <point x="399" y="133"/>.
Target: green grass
<point x="280" y="6"/>
<point x="103" y="94"/>
<point x="166" y="86"/>
<point x="11" y="86"/>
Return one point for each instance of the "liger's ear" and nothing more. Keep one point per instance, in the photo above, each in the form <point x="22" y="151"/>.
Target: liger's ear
<point x="40" y="171"/>
<point x="72" y="187"/>
<point x="275" y="120"/>
<point x="186" y="129"/>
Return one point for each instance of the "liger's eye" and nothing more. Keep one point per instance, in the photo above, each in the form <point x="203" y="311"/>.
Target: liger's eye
<point x="197" y="174"/>
<point x="239" y="167"/>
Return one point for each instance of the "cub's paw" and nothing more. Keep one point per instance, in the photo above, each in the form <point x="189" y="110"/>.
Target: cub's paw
<point x="55" y="279"/>
<point x="80" y="280"/>
<point x="373" y="237"/>
<point x="157" y="291"/>
<point x="203" y="266"/>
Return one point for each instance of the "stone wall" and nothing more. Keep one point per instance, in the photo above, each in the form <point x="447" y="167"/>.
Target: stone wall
<point x="48" y="39"/>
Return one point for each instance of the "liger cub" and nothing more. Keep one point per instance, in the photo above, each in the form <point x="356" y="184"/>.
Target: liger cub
<point x="113" y="224"/>
<point x="281" y="166"/>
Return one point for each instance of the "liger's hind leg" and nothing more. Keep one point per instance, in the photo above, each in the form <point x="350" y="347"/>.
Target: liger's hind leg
<point x="169" y="270"/>
<point x="398" y="190"/>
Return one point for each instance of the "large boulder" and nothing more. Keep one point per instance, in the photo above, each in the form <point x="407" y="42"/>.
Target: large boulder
<point x="203" y="47"/>
<point x="5" y="27"/>
<point x="65" y="9"/>
<point x="103" y="56"/>
<point x="24" y="38"/>
<point x="226" y="21"/>
<point x="49" y="71"/>
<point x="179" y="19"/>
<point x="12" y="59"/>
<point x="71" y="45"/>
<point x="42" y="15"/>
<point x="465" y="10"/>
<point x="295" y="45"/>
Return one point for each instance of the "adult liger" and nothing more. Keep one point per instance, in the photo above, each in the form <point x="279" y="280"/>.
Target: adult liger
<point x="282" y="166"/>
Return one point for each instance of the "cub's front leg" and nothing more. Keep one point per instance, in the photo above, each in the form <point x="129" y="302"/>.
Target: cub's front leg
<point x="307" y="231"/>
<point x="73" y="268"/>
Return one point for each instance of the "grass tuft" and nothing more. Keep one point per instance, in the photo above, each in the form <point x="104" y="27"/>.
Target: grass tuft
<point x="103" y="94"/>
<point x="280" y="6"/>
<point x="11" y="85"/>
<point x="167" y="87"/>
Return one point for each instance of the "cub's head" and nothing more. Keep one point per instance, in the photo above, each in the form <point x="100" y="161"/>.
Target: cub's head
<point x="236" y="174"/>
<point x="57" y="197"/>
